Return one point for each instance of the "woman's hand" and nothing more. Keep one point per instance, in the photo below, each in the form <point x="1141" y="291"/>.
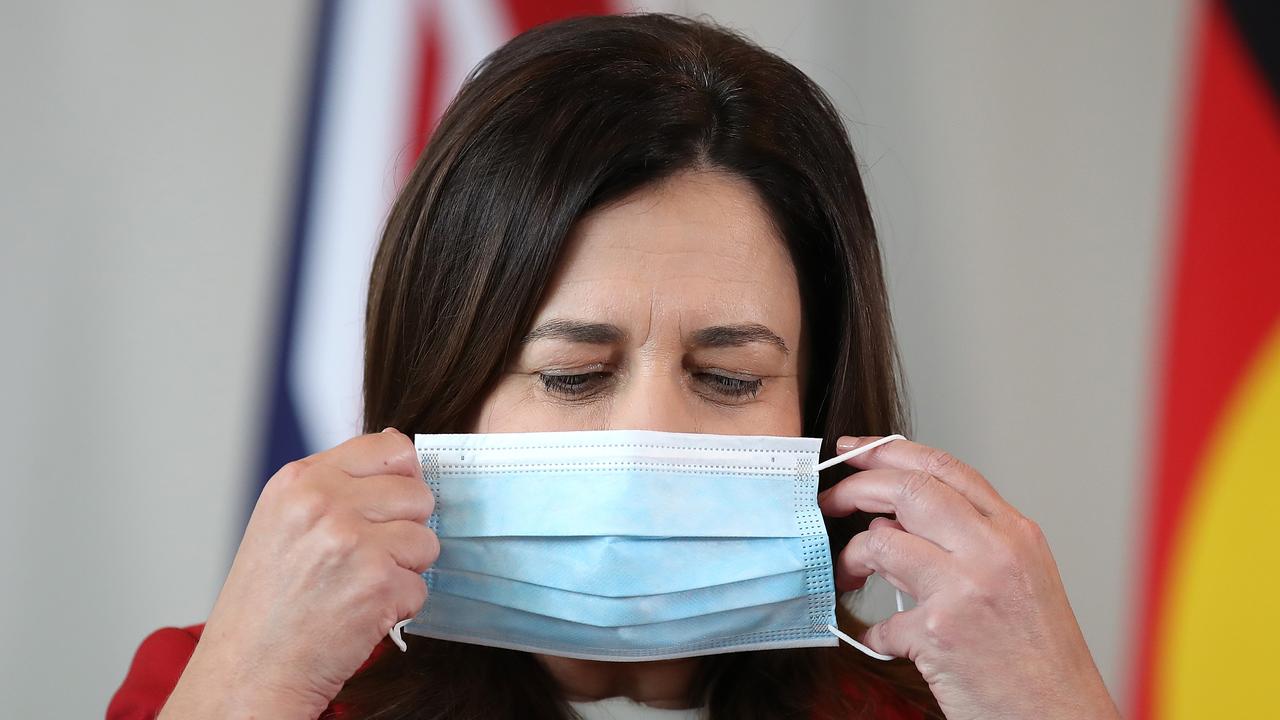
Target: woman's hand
<point x="992" y="631"/>
<point x="331" y="559"/>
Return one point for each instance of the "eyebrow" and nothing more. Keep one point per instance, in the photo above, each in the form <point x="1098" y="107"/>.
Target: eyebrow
<point x="577" y="331"/>
<point x="715" y="336"/>
<point x="737" y="336"/>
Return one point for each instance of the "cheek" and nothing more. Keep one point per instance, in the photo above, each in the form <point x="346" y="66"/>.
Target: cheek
<point x="513" y="406"/>
<point x="504" y="409"/>
<point x="781" y="415"/>
<point x="776" y="412"/>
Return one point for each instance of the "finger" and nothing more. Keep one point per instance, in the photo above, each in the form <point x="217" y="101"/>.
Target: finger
<point x="923" y="504"/>
<point x="409" y="595"/>
<point x="897" y="635"/>
<point x="881" y="521"/>
<point x="412" y="545"/>
<point x="909" y="562"/>
<point x="856" y="583"/>
<point x="384" y="453"/>
<point x="944" y="466"/>
<point x="382" y="498"/>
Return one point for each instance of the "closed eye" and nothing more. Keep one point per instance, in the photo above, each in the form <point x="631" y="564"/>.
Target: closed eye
<point x="580" y="385"/>
<point x="730" y="386"/>
<point x="573" y="385"/>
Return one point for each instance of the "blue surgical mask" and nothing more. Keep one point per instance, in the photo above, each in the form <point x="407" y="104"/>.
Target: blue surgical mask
<point x="627" y="544"/>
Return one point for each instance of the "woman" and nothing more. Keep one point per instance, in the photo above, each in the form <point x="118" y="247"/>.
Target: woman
<point x="628" y="222"/>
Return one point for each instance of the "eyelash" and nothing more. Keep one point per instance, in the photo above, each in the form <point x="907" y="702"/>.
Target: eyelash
<point x="573" y="385"/>
<point x="731" y="386"/>
<point x="576" y="386"/>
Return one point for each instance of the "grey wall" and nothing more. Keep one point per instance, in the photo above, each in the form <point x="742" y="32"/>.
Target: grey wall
<point x="1017" y="155"/>
<point x="146" y="149"/>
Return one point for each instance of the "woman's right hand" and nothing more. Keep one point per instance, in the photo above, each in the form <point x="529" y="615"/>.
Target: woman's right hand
<point x="330" y="561"/>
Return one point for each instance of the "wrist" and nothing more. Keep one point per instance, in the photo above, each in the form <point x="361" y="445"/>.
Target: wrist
<point x="214" y="688"/>
<point x="1103" y="705"/>
<point x="1093" y="700"/>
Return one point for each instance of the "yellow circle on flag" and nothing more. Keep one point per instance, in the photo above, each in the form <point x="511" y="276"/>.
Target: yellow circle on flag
<point x="1218" y="645"/>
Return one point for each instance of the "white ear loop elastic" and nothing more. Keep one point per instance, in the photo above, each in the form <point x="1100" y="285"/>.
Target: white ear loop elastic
<point x="832" y="462"/>
<point x="398" y="639"/>
<point x="866" y="650"/>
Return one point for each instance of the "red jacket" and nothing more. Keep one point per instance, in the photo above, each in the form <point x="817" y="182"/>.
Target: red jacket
<point x="162" y="657"/>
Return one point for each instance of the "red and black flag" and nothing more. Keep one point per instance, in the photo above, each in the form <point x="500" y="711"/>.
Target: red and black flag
<point x="1209" y="620"/>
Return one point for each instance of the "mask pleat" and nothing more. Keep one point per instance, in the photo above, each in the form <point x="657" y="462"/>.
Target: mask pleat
<point x="614" y="566"/>
<point x="626" y="545"/>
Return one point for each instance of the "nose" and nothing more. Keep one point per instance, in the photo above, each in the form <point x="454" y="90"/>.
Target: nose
<point x="653" y="403"/>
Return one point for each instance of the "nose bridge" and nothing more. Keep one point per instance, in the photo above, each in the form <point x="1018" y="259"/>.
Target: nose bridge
<point x="653" y="400"/>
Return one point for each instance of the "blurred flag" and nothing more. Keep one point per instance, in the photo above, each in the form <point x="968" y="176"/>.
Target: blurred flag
<point x="383" y="73"/>
<point x="1209" y="626"/>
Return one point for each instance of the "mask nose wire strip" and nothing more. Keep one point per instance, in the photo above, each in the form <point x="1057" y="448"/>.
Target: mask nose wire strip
<point x="832" y="462"/>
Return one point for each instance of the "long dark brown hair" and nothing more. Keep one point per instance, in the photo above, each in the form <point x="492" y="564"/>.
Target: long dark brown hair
<point x="560" y="120"/>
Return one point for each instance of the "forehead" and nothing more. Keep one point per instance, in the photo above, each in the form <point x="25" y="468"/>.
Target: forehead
<point x="700" y="245"/>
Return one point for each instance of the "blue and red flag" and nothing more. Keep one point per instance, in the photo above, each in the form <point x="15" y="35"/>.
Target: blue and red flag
<point x="383" y="73"/>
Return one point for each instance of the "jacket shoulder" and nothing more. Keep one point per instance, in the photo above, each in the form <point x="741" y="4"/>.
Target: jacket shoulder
<point x="154" y="672"/>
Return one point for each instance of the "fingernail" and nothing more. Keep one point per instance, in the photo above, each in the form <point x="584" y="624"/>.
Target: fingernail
<point x="390" y="430"/>
<point x="848" y="442"/>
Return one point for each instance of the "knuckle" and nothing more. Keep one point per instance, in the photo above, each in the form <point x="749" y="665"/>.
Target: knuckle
<point x="900" y="634"/>
<point x="379" y="583"/>
<point x="391" y="446"/>
<point x="305" y="507"/>
<point x="1022" y="541"/>
<point x="411" y="598"/>
<point x="428" y="499"/>
<point x="880" y="635"/>
<point x="289" y="476"/>
<point x="1006" y="577"/>
<point x="395" y="439"/>
<point x="915" y="485"/>
<point x="939" y="461"/>
<point x="973" y="592"/>
<point x="301" y="464"/>
<point x="388" y="620"/>
<point x="417" y="593"/>
<point x="387" y="580"/>
<point x="880" y="541"/>
<point x="938" y="628"/>
<point x="432" y="545"/>
<point x="337" y="539"/>
<point x="1029" y="530"/>
<point x="1004" y="558"/>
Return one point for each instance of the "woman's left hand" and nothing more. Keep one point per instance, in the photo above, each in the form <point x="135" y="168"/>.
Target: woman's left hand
<point x="992" y="631"/>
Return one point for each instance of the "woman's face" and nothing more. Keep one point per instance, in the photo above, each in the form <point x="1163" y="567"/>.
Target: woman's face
<point x="675" y="309"/>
